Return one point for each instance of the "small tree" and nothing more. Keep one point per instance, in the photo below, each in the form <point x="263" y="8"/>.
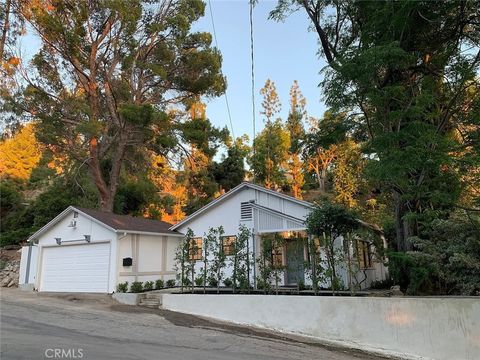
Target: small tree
<point x="315" y="263"/>
<point x="270" y="266"/>
<point x="184" y="263"/>
<point x="218" y="262"/>
<point x="328" y="222"/>
<point x="208" y="238"/>
<point x="240" y="259"/>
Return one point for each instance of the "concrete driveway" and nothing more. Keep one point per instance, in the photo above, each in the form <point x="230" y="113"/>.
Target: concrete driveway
<point x="43" y="326"/>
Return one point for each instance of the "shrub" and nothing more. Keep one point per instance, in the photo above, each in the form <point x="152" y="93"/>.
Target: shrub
<point x="227" y="282"/>
<point x="301" y="285"/>
<point x="186" y="281"/>
<point x="170" y="283"/>
<point x="148" y="286"/>
<point x="212" y="282"/>
<point x="122" y="287"/>
<point x="159" y="284"/>
<point x="136" y="287"/>
<point x="199" y="281"/>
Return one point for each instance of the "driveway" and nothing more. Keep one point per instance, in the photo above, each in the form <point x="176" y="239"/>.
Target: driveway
<point x="47" y="326"/>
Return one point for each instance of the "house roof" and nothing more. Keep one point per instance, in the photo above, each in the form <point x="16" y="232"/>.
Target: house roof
<point x="129" y="223"/>
<point x="115" y="222"/>
<point x="235" y="190"/>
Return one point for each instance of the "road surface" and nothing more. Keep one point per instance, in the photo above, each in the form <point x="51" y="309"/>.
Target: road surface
<point x="47" y="326"/>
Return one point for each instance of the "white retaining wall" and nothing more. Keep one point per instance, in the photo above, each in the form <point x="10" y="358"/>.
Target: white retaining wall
<point x="413" y="328"/>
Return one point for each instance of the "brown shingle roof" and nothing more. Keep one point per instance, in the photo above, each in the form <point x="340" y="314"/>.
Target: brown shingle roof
<point x="129" y="223"/>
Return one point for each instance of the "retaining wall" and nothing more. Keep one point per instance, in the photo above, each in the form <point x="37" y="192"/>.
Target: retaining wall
<point x="411" y="328"/>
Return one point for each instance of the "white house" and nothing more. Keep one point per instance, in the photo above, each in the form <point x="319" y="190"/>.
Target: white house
<point x="84" y="250"/>
<point x="264" y="211"/>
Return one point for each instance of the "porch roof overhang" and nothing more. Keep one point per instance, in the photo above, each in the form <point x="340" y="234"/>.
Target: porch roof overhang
<point x="269" y="220"/>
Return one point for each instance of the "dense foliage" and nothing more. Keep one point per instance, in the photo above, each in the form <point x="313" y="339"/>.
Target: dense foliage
<point x="119" y="122"/>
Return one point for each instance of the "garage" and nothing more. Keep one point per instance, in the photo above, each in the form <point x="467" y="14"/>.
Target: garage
<point x="76" y="268"/>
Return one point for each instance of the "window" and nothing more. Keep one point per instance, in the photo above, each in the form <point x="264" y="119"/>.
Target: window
<point x="195" y="251"/>
<point x="364" y="257"/>
<point x="277" y="256"/>
<point x="245" y="211"/>
<point x="228" y="243"/>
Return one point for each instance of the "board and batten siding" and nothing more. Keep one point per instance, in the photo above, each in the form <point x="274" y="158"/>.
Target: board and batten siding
<point x="152" y="257"/>
<point x="227" y="213"/>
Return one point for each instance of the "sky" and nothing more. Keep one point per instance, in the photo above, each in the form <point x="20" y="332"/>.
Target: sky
<point x="284" y="52"/>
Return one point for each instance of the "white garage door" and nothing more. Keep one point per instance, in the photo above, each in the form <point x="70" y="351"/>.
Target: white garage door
<point x="76" y="268"/>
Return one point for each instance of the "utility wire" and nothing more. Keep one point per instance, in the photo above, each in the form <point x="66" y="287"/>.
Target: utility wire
<point x="216" y="45"/>
<point x="253" y="83"/>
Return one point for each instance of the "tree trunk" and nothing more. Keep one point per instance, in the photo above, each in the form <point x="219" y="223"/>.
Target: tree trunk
<point x="403" y="228"/>
<point x="322" y="177"/>
<point x="6" y="26"/>
<point x="105" y="203"/>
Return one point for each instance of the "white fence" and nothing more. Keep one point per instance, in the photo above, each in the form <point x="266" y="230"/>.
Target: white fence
<point x="412" y="328"/>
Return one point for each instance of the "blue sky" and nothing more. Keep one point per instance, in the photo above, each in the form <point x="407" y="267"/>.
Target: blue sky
<point x="284" y="52"/>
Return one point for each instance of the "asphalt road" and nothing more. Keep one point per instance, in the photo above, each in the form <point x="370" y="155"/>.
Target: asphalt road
<point x="67" y="326"/>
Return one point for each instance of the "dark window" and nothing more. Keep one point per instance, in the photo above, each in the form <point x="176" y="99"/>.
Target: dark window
<point x="228" y="243"/>
<point x="195" y="251"/>
<point x="277" y="256"/>
<point x="364" y="257"/>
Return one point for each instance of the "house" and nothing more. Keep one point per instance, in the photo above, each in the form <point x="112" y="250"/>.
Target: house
<point x="266" y="212"/>
<point x="84" y="250"/>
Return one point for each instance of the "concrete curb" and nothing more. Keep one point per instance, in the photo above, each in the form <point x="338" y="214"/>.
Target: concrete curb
<point x="127" y="298"/>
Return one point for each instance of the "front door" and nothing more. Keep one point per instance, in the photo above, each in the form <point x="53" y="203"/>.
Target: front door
<point x="295" y="262"/>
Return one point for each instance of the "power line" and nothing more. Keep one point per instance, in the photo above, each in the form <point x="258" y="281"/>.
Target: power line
<point x="216" y="44"/>
<point x="253" y="82"/>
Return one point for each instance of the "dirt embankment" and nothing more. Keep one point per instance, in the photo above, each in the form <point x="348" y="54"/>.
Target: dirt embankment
<point x="9" y="266"/>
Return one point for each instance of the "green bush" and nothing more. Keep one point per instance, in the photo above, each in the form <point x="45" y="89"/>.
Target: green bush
<point x="170" y="283"/>
<point x="301" y="285"/>
<point x="199" y="281"/>
<point x="122" y="287"/>
<point x="136" y="287"/>
<point x="212" y="282"/>
<point x="413" y="276"/>
<point x="159" y="284"/>
<point x="186" y="281"/>
<point x="228" y="282"/>
<point x="148" y="286"/>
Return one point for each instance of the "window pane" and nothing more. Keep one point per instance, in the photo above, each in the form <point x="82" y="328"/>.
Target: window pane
<point x="229" y="244"/>
<point x="195" y="251"/>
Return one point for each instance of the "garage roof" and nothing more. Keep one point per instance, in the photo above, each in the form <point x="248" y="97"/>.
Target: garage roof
<point x="115" y="222"/>
<point x="129" y="223"/>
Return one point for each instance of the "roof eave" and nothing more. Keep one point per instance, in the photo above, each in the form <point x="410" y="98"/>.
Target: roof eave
<point x="148" y="233"/>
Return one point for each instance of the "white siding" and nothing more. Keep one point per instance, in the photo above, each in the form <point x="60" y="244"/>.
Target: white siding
<point x="84" y="226"/>
<point x="152" y="255"/>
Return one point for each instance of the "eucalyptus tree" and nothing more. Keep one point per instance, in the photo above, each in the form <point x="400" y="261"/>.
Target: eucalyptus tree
<point x="407" y="71"/>
<point x="110" y="79"/>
